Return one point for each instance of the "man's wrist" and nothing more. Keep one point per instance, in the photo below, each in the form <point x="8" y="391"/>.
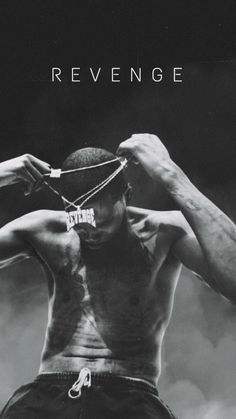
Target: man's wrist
<point x="168" y="174"/>
<point x="180" y="187"/>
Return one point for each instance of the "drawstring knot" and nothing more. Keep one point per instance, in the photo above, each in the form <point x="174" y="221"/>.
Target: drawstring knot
<point x="84" y="380"/>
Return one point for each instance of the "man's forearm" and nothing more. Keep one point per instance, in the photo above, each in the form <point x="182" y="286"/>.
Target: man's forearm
<point x="216" y="233"/>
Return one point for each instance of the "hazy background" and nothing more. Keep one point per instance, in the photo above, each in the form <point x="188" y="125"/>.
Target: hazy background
<point x="195" y="119"/>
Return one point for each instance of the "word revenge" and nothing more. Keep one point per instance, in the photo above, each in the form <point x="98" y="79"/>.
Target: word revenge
<point x="115" y="74"/>
<point x="79" y="216"/>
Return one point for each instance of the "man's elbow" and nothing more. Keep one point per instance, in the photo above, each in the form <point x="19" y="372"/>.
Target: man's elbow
<point x="227" y="290"/>
<point x="222" y="284"/>
<point x="230" y="294"/>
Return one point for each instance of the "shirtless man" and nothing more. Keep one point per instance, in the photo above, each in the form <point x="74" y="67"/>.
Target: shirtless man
<point x="111" y="286"/>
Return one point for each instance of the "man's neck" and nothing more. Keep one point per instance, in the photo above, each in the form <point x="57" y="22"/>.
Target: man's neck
<point x="113" y="249"/>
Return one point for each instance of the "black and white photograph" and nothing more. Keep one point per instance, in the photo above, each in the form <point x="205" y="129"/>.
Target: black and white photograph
<point x="118" y="209"/>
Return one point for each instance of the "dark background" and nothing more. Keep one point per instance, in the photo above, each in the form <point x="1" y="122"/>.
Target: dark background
<point x="195" y="119"/>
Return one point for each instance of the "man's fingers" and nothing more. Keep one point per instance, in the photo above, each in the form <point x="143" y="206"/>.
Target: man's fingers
<point x="126" y="147"/>
<point x="32" y="171"/>
<point x="29" y="182"/>
<point x="42" y="166"/>
<point x="30" y="176"/>
<point x="27" y="189"/>
<point x="37" y="176"/>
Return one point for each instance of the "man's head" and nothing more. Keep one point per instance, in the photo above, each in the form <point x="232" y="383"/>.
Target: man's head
<point x="109" y="203"/>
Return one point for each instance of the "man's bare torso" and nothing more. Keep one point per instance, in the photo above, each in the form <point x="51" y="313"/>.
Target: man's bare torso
<point x="108" y="310"/>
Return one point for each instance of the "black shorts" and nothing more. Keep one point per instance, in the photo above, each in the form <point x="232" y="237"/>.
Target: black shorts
<point x="108" y="397"/>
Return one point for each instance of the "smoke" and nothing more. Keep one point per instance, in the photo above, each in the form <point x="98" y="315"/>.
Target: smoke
<point x="198" y="376"/>
<point x="23" y="306"/>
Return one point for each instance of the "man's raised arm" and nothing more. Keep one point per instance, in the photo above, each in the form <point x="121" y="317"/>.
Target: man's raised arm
<point x="215" y="232"/>
<point x="28" y="171"/>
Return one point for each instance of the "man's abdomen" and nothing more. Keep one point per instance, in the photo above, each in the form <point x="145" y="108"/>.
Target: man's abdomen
<point x="122" y="350"/>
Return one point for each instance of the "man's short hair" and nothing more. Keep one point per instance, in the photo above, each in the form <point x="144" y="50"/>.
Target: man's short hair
<point x="78" y="183"/>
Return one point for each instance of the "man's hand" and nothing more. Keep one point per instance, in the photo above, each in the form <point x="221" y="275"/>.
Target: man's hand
<point x="149" y="151"/>
<point x="26" y="169"/>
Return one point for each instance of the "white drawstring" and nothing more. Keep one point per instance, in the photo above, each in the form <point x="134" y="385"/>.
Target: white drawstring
<point x="56" y="173"/>
<point x="84" y="380"/>
<point x="98" y="187"/>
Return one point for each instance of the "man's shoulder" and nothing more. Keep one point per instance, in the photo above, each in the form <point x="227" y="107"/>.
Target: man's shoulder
<point x="173" y="217"/>
<point x="152" y="221"/>
<point x="44" y="219"/>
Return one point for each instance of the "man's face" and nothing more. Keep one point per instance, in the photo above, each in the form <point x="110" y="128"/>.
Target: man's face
<point x="108" y="216"/>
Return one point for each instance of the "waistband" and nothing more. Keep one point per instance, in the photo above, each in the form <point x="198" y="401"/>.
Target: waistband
<point x="99" y="379"/>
